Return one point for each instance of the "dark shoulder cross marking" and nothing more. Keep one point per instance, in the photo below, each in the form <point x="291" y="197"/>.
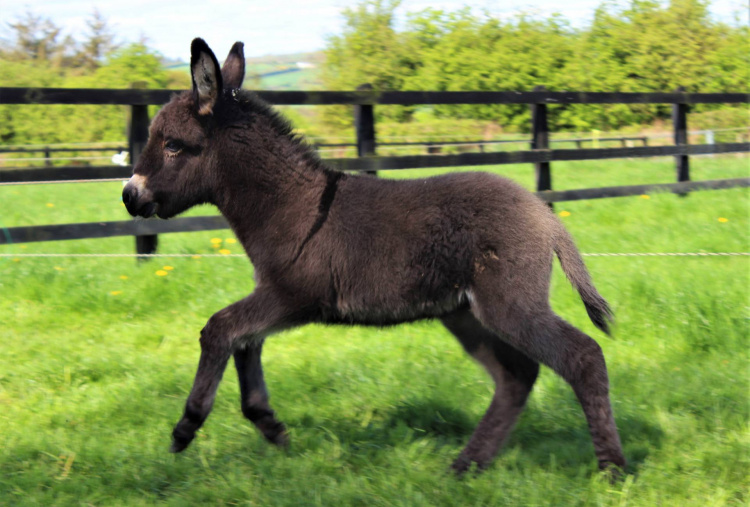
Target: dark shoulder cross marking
<point x="324" y="206"/>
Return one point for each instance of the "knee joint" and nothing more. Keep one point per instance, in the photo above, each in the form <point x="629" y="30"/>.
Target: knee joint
<point x="215" y="334"/>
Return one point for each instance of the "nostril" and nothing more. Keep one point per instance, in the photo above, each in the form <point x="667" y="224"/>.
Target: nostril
<point x="125" y="197"/>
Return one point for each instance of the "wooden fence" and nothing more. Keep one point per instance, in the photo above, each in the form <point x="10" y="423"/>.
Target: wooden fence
<point x="364" y="100"/>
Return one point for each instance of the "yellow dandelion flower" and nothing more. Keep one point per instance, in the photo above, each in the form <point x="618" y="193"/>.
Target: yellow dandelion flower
<point x="195" y="257"/>
<point x="230" y="240"/>
<point x="722" y="219"/>
<point x="123" y="277"/>
<point x="161" y="272"/>
<point x="216" y="245"/>
<point x="644" y="196"/>
<point x="16" y="260"/>
<point x="215" y="241"/>
<point x="167" y="268"/>
<point x="58" y="268"/>
<point x="564" y="213"/>
<point x="116" y="292"/>
<point x="23" y="246"/>
<point x="224" y="251"/>
<point x="50" y="205"/>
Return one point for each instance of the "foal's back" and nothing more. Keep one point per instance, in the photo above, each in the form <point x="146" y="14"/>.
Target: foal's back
<point x="468" y="210"/>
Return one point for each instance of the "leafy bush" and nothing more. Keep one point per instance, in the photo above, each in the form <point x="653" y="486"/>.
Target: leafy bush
<point x="645" y="46"/>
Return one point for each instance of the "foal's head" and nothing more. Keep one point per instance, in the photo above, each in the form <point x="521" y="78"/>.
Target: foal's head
<point x="178" y="167"/>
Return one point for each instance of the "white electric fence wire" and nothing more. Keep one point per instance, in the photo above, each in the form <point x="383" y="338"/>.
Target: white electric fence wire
<point x="125" y="255"/>
<point x="667" y="254"/>
<point x="55" y="145"/>
<point x="105" y="255"/>
<point x="51" y="159"/>
<point x="98" y="180"/>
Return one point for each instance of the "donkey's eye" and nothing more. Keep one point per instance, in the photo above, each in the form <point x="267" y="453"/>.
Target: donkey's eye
<point x="173" y="146"/>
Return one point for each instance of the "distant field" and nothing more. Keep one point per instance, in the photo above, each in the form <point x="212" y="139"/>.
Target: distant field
<point x="266" y="70"/>
<point x="302" y="79"/>
<point x="98" y="356"/>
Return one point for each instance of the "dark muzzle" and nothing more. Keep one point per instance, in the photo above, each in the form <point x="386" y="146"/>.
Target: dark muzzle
<point x="137" y="203"/>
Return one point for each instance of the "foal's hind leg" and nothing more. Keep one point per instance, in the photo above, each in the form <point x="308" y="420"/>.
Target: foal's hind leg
<point x="254" y="396"/>
<point x="514" y="375"/>
<point x="537" y="332"/>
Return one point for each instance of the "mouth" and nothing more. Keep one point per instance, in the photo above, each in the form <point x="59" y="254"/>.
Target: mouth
<point x="149" y="210"/>
<point x="146" y="210"/>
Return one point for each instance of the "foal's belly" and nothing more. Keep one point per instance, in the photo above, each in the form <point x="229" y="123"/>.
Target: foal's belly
<point x="401" y="311"/>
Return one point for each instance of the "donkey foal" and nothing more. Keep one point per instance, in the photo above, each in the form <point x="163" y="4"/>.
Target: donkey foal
<point x="472" y="249"/>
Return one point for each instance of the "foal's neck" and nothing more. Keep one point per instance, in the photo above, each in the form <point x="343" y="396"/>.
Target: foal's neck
<point x="272" y="188"/>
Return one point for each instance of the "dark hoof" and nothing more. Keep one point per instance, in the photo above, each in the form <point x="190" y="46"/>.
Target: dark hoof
<point x="280" y="440"/>
<point x="179" y="444"/>
<point x="461" y="465"/>
<point x="464" y="463"/>
<point x="276" y="434"/>
<point x="177" y="447"/>
<point x="613" y="472"/>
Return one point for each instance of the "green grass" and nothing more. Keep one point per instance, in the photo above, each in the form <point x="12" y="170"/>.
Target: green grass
<point x="95" y="369"/>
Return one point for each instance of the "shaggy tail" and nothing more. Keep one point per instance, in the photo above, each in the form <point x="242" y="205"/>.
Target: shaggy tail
<point x="574" y="268"/>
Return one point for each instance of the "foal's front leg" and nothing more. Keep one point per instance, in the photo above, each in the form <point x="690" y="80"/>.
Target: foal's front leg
<point x="254" y="395"/>
<point x="246" y="321"/>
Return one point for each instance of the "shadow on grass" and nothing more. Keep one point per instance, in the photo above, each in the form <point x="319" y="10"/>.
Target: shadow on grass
<point x="549" y="430"/>
<point x="431" y="418"/>
<point x="386" y="429"/>
<point x="570" y="441"/>
<point x="565" y="437"/>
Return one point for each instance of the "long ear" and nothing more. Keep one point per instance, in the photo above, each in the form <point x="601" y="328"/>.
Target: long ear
<point x="233" y="70"/>
<point x="207" y="83"/>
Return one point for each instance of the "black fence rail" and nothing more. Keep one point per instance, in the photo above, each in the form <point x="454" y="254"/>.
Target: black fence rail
<point x="135" y="97"/>
<point x="540" y="154"/>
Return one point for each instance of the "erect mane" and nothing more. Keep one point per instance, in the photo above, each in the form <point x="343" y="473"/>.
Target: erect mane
<point x="250" y="103"/>
<point x="251" y="107"/>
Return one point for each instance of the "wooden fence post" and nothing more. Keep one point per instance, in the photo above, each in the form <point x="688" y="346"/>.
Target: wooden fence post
<point x="540" y="141"/>
<point x="679" y="122"/>
<point x="137" y="138"/>
<point x="364" y="125"/>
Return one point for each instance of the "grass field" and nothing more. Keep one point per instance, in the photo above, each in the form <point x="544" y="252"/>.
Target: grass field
<point x="98" y="356"/>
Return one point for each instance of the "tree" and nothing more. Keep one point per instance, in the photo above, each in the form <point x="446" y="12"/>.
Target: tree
<point x="369" y="51"/>
<point x="641" y="46"/>
<point x="82" y="123"/>
<point x="98" y="44"/>
<point x="37" y="39"/>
